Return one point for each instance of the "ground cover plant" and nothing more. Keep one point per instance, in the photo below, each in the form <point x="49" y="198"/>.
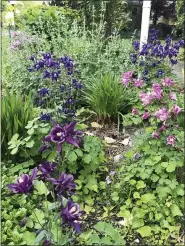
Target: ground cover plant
<point x="60" y="183"/>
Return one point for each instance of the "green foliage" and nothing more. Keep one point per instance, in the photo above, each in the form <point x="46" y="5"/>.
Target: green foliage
<point x="180" y="16"/>
<point x="44" y="19"/>
<point x="153" y="201"/>
<point x="102" y="234"/>
<point x="15" y="113"/>
<point x="106" y="96"/>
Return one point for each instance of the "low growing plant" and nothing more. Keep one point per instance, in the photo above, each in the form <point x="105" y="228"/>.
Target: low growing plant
<point x="15" y="112"/>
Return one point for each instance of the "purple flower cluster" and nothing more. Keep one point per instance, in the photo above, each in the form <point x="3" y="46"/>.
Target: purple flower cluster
<point x="20" y="39"/>
<point x="64" y="185"/>
<point x="155" y="53"/>
<point x="48" y="68"/>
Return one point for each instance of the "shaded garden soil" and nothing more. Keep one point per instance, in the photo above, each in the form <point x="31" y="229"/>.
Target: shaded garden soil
<point x="119" y="143"/>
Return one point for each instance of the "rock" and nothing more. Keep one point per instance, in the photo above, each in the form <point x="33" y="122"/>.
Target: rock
<point x="117" y="158"/>
<point x="109" y="140"/>
<point x="96" y="125"/>
<point x="125" y="141"/>
<point x="89" y="133"/>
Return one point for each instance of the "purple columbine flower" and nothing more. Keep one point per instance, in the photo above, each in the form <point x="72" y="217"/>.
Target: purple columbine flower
<point x="47" y="243"/>
<point x="176" y="110"/>
<point x="65" y="183"/>
<point x="126" y="77"/>
<point x="168" y="82"/>
<point x="135" y="111"/>
<point x="146" y="98"/>
<point x="172" y="96"/>
<point x="44" y="91"/>
<point x="112" y="173"/>
<point x="146" y="115"/>
<point x="46" y="169"/>
<point x="138" y="83"/>
<point x="45" y="117"/>
<point x="71" y="214"/>
<point x="162" y="128"/>
<point x="24" y="184"/>
<point x="155" y="135"/>
<point x="63" y="134"/>
<point x="162" y="114"/>
<point x="171" y="140"/>
<point x="157" y="91"/>
<point x="44" y="147"/>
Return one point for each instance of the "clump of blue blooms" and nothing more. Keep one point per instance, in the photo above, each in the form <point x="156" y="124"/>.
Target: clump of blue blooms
<point x="150" y="59"/>
<point x="58" y="84"/>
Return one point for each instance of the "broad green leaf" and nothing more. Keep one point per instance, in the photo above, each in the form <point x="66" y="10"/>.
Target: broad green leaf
<point x="145" y="231"/>
<point x="72" y="156"/>
<point x="29" y="237"/>
<point x="30" y="144"/>
<point x="176" y="210"/>
<point x="136" y="195"/>
<point x="14" y="151"/>
<point x="171" y="167"/>
<point x="140" y="184"/>
<point x="41" y="188"/>
<point x="79" y="152"/>
<point x="87" y="158"/>
<point x="147" y="197"/>
<point x="29" y="223"/>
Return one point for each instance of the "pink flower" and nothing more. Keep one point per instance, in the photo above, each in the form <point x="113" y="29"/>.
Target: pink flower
<point x="176" y="110"/>
<point x="126" y="77"/>
<point x="155" y="135"/>
<point x="171" y="140"/>
<point x="172" y="96"/>
<point x="168" y="82"/>
<point x="135" y="111"/>
<point x="162" y="114"/>
<point x="146" y="98"/>
<point x="146" y="115"/>
<point x="138" y="83"/>
<point x="162" y="128"/>
<point x="157" y="91"/>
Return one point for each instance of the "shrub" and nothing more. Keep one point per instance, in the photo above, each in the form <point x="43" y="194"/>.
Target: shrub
<point x="107" y="97"/>
<point x="15" y="113"/>
<point x="46" y="20"/>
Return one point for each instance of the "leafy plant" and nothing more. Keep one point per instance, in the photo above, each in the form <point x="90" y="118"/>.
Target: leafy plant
<point x="15" y="113"/>
<point x="44" y="19"/>
<point x="107" y="97"/>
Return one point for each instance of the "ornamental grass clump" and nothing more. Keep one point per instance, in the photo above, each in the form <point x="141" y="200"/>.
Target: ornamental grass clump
<point x="57" y="84"/>
<point x="106" y="97"/>
<point x="155" y="59"/>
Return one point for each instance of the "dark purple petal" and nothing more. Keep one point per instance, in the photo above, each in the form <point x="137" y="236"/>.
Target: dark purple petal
<point x="72" y="141"/>
<point x="34" y="174"/>
<point x="47" y="138"/>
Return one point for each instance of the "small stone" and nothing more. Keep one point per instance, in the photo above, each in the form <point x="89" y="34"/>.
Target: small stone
<point x="117" y="158"/>
<point x="109" y="140"/>
<point x="125" y="141"/>
<point x="89" y="133"/>
<point x="96" y="125"/>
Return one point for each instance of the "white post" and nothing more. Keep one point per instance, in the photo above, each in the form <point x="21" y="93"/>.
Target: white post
<point x="145" y="22"/>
